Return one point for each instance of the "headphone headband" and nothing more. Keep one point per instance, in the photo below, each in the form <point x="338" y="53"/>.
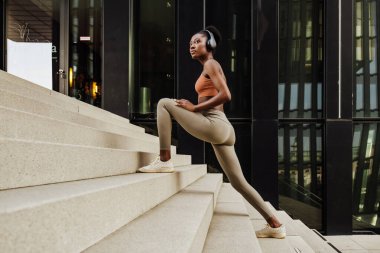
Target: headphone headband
<point x="211" y="42"/>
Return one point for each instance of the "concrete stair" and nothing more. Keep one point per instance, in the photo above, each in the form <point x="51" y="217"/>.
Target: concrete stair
<point x="177" y="225"/>
<point x="71" y="216"/>
<point x="69" y="184"/>
<point x="26" y="89"/>
<point x="230" y="229"/>
<point x="299" y="237"/>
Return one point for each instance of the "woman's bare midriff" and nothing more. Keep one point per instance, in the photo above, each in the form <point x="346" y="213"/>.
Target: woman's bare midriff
<point x="204" y="99"/>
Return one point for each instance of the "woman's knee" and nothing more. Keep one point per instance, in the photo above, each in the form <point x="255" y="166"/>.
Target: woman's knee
<point x="163" y="102"/>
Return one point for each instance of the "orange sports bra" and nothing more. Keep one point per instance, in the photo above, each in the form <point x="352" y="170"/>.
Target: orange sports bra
<point x="205" y="87"/>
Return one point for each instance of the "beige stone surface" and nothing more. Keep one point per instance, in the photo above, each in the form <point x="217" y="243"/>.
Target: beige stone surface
<point x="230" y="229"/>
<point x="208" y="184"/>
<point x="289" y="244"/>
<point x="28" y="126"/>
<point x="270" y="245"/>
<point x="312" y="239"/>
<point x="20" y="86"/>
<point x="344" y="242"/>
<point x="370" y="242"/>
<point x="27" y="163"/>
<point x="229" y="194"/>
<point x="297" y="244"/>
<point x="40" y="107"/>
<point x="356" y="243"/>
<point x="177" y="225"/>
<point x="70" y="217"/>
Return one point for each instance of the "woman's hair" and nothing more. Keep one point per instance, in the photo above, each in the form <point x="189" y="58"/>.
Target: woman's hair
<point x="215" y="32"/>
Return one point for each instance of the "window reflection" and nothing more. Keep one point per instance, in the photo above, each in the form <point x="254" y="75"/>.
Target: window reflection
<point x="365" y="175"/>
<point x="301" y="62"/>
<point x="300" y="171"/>
<point x="366" y="94"/>
<point x="234" y="52"/>
<point x="85" y="47"/>
<point x="154" y="56"/>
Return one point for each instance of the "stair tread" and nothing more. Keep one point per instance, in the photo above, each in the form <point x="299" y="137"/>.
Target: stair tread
<point x="230" y="229"/>
<point x="27" y="163"/>
<point x="15" y="199"/>
<point x="293" y="241"/>
<point x="9" y="99"/>
<point x="24" y="87"/>
<point x="312" y="239"/>
<point x="177" y="225"/>
<point x="28" y="126"/>
<point x="70" y="217"/>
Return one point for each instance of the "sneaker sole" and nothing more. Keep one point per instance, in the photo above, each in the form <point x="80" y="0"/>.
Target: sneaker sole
<point x="277" y="236"/>
<point x="161" y="170"/>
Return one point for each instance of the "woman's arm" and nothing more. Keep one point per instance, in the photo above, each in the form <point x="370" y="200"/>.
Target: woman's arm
<point x="211" y="67"/>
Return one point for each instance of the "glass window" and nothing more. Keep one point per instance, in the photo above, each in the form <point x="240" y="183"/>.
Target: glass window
<point x="365" y="175"/>
<point x="366" y="93"/>
<point x="154" y="56"/>
<point x="85" y="51"/>
<point x="301" y="61"/>
<point x="300" y="172"/>
<point x="234" y="52"/>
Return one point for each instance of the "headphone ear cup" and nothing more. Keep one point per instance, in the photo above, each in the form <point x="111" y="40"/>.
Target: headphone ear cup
<point x="210" y="43"/>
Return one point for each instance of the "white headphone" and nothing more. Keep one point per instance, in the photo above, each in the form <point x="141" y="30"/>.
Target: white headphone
<point x="210" y="43"/>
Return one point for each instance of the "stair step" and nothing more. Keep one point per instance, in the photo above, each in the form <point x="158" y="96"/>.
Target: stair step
<point x="28" y="163"/>
<point x="9" y="82"/>
<point x="308" y="237"/>
<point x="312" y="239"/>
<point x="40" y="107"/>
<point x="72" y="216"/>
<point x="293" y="241"/>
<point x="27" y="126"/>
<point x="267" y="245"/>
<point x="177" y="225"/>
<point x="230" y="229"/>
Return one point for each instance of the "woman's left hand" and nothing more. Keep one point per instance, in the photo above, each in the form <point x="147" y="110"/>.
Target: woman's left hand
<point x="185" y="104"/>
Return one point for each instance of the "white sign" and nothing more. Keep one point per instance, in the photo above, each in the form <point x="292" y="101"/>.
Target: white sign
<point x="31" y="61"/>
<point x="85" y="38"/>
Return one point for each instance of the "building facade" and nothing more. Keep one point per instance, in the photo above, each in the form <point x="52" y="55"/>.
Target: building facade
<point x="302" y="73"/>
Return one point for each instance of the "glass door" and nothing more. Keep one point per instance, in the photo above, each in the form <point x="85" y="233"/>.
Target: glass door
<point x="85" y="46"/>
<point x="35" y="41"/>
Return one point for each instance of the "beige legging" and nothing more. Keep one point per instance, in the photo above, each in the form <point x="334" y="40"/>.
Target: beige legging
<point x="211" y="126"/>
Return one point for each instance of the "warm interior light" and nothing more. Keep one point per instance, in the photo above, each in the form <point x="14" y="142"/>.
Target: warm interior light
<point x="71" y="77"/>
<point x="94" y="89"/>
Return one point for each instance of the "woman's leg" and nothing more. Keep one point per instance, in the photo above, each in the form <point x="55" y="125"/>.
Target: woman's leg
<point x="228" y="160"/>
<point x="194" y="123"/>
<point x="202" y="128"/>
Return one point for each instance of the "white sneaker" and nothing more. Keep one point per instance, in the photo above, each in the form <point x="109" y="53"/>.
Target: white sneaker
<point x="158" y="166"/>
<point x="268" y="231"/>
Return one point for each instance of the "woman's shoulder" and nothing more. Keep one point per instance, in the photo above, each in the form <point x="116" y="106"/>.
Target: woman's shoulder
<point x="212" y="65"/>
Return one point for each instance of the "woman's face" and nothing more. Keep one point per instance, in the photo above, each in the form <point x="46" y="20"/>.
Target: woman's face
<point x="198" y="46"/>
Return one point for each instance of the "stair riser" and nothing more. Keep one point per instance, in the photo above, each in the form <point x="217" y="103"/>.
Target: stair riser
<point x="178" y="225"/>
<point x="28" y="89"/>
<point x="74" y="224"/>
<point x="31" y="163"/>
<point x="14" y="101"/>
<point x="26" y="126"/>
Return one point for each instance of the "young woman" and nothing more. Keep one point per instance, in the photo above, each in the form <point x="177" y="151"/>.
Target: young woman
<point x="207" y="121"/>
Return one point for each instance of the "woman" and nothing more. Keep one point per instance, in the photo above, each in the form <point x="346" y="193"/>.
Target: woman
<point x="207" y="121"/>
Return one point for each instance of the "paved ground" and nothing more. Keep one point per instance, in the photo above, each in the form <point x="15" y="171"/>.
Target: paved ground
<point x="356" y="243"/>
